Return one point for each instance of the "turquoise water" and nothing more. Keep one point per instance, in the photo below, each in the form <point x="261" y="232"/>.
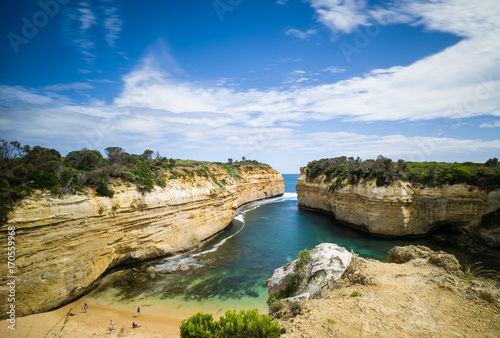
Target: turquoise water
<point x="233" y="267"/>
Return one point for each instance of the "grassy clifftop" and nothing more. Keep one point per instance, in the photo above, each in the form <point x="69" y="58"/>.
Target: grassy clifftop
<point x="343" y="170"/>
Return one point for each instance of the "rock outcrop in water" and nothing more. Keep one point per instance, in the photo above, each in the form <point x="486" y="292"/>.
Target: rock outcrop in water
<point x="402" y="209"/>
<point x="63" y="245"/>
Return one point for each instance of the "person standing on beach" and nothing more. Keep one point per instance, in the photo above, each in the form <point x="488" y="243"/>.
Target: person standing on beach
<point x="138" y="311"/>
<point x="85" y="307"/>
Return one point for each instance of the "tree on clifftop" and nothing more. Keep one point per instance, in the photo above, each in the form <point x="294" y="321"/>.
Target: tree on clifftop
<point x="113" y="153"/>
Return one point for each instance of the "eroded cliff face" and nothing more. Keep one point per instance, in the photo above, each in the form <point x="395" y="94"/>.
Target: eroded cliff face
<point x="63" y="245"/>
<point x="402" y="209"/>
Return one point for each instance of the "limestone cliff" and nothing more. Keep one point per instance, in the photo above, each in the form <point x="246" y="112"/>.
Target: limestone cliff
<point x="63" y="245"/>
<point x="402" y="209"/>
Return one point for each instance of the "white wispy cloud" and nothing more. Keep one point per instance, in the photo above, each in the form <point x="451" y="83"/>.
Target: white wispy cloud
<point x="461" y="81"/>
<point x="113" y="24"/>
<point x="87" y="23"/>
<point x="341" y="15"/>
<point x="302" y="35"/>
<point x="495" y="124"/>
<point x="459" y="17"/>
<point x="86" y="17"/>
<point x="335" y="69"/>
<point x="68" y="86"/>
<point x="31" y="114"/>
<point x="16" y="94"/>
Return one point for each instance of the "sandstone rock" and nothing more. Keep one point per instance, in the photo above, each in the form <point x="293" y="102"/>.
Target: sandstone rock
<point x="403" y="254"/>
<point x="327" y="263"/>
<point x="182" y="267"/>
<point x="402" y="209"/>
<point x="63" y="245"/>
<point x="424" y="255"/>
<point x="487" y="292"/>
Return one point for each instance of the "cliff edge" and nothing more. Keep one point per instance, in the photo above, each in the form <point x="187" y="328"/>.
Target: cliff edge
<point x="64" y="244"/>
<point x="402" y="208"/>
<point x="415" y="294"/>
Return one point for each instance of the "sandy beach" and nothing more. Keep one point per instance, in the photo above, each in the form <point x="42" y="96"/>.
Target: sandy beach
<point x="155" y="321"/>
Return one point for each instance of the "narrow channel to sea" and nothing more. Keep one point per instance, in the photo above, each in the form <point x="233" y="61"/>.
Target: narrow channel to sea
<point x="230" y="271"/>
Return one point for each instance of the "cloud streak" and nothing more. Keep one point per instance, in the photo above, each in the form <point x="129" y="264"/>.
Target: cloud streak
<point x="302" y="35"/>
<point x="87" y="22"/>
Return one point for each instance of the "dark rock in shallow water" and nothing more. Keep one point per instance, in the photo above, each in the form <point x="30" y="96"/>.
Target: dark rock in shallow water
<point x="252" y="294"/>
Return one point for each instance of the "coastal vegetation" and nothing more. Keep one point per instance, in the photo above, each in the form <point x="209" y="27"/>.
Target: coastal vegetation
<point x="278" y="301"/>
<point x="24" y="169"/>
<point x="243" y="324"/>
<point x="347" y="170"/>
<point x="474" y="271"/>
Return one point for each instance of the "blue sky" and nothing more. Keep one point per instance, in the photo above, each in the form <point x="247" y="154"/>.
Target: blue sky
<point x="284" y="82"/>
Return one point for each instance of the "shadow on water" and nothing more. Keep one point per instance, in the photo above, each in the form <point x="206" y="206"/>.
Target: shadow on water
<point x="235" y="264"/>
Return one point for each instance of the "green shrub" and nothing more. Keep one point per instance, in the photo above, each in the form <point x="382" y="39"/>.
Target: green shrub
<point x="114" y="208"/>
<point x="291" y="285"/>
<point x="248" y="324"/>
<point x="303" y="257"/>
<point x="104" y="191"/>
<point x="243" y="324"/>
<point x="385" y="171"/>
<point x="43" y="180"/>
<point x="86" y="160"/>
<point x="200" y="325"/>
<point x="355" y="294"/>
<point x="473" y="271"/>
<point x="275" y="304"/>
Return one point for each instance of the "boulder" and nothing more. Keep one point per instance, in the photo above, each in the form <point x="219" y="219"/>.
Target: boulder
<point x="420" y="253"/>
<point x="327" y="263"/>
<point x="183" y="267"/>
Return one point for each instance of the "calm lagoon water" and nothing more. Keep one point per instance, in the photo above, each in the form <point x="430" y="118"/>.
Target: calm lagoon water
<point x="231" y="270"/>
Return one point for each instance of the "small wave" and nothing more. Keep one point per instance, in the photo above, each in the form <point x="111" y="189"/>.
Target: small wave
<point x="174" y="263"/>
<point x="289" y="196"/>
<point x="216" y="246"/>
<point x="189" y="259"/>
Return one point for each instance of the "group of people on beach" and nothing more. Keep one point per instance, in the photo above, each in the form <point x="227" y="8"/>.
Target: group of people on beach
<point x="112" y="322"/>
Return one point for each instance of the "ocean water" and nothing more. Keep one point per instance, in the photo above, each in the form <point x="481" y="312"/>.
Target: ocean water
<point x="231" y="270"/>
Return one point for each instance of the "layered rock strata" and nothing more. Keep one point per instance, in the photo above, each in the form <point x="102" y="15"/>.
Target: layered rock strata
<point x="402" y="209"/>
<point x="63" y="245"/>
